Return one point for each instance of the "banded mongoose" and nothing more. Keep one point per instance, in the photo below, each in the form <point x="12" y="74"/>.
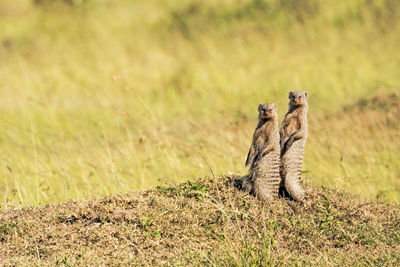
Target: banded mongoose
<point x="263" y="179"/>
<point x="293" y="134"/>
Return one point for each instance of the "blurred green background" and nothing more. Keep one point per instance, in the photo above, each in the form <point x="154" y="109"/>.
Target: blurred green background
<point x="109" y="96"/>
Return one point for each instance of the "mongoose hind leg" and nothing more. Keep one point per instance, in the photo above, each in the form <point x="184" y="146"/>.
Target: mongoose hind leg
<point x="293" y="187"/>
<point x="264" y="196"/>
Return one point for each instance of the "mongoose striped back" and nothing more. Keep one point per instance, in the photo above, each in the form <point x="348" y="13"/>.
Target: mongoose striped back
<point x="265" y="176"/>
<point x="293" y="134"/>
<point x="264" y="156"/>
<point x="291" y="163"/>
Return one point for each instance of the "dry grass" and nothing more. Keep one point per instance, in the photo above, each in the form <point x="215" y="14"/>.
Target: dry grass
<point x="204" y="222"/>
<point x="358" y="145"/>
<point x="109" y="96"/>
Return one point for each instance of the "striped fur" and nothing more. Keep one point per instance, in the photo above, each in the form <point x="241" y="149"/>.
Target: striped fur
<point x="293" y="134"/>
<point x="263" y="179"/>
<point x="265" y="176"/>
<point x="291" y="163"/>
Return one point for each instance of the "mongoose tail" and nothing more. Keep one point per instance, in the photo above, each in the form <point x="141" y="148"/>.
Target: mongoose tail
<point x="247" y="183"/>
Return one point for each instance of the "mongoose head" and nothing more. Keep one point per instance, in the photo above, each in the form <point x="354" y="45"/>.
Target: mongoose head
<point x="267" y="111"/>
<point x="298" y="98"/>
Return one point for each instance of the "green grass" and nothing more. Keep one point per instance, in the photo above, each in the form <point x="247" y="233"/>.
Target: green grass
<point x="112" y="96"/>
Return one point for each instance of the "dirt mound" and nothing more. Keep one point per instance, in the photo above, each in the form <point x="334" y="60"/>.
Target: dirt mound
<point x="203" y="222"/>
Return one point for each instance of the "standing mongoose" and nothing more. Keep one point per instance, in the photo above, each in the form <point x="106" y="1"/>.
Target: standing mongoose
<point x="293" y="134"/>
<point x="263" y="179"/>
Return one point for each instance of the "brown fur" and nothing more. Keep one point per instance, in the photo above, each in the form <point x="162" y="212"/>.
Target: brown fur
<point x="263" y="157"/>
<point x="293" y="136"/>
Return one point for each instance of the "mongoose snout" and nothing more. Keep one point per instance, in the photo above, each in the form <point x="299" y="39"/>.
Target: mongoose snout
<point x="297" y="98"/>
<point x="266" y="111"/>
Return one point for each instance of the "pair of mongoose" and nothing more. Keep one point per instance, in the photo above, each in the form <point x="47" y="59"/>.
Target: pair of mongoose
<point x="275" y="158"/>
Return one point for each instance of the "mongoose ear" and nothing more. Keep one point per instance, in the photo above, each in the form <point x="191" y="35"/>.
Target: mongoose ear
<point x="259" y="108"/>
<point x="305" y="93"/>
<point x="275" y="107"/>
<point x="290" y="94"/>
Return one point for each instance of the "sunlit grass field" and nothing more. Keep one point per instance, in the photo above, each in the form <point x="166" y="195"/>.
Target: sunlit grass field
<point x="100" y="97"/>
